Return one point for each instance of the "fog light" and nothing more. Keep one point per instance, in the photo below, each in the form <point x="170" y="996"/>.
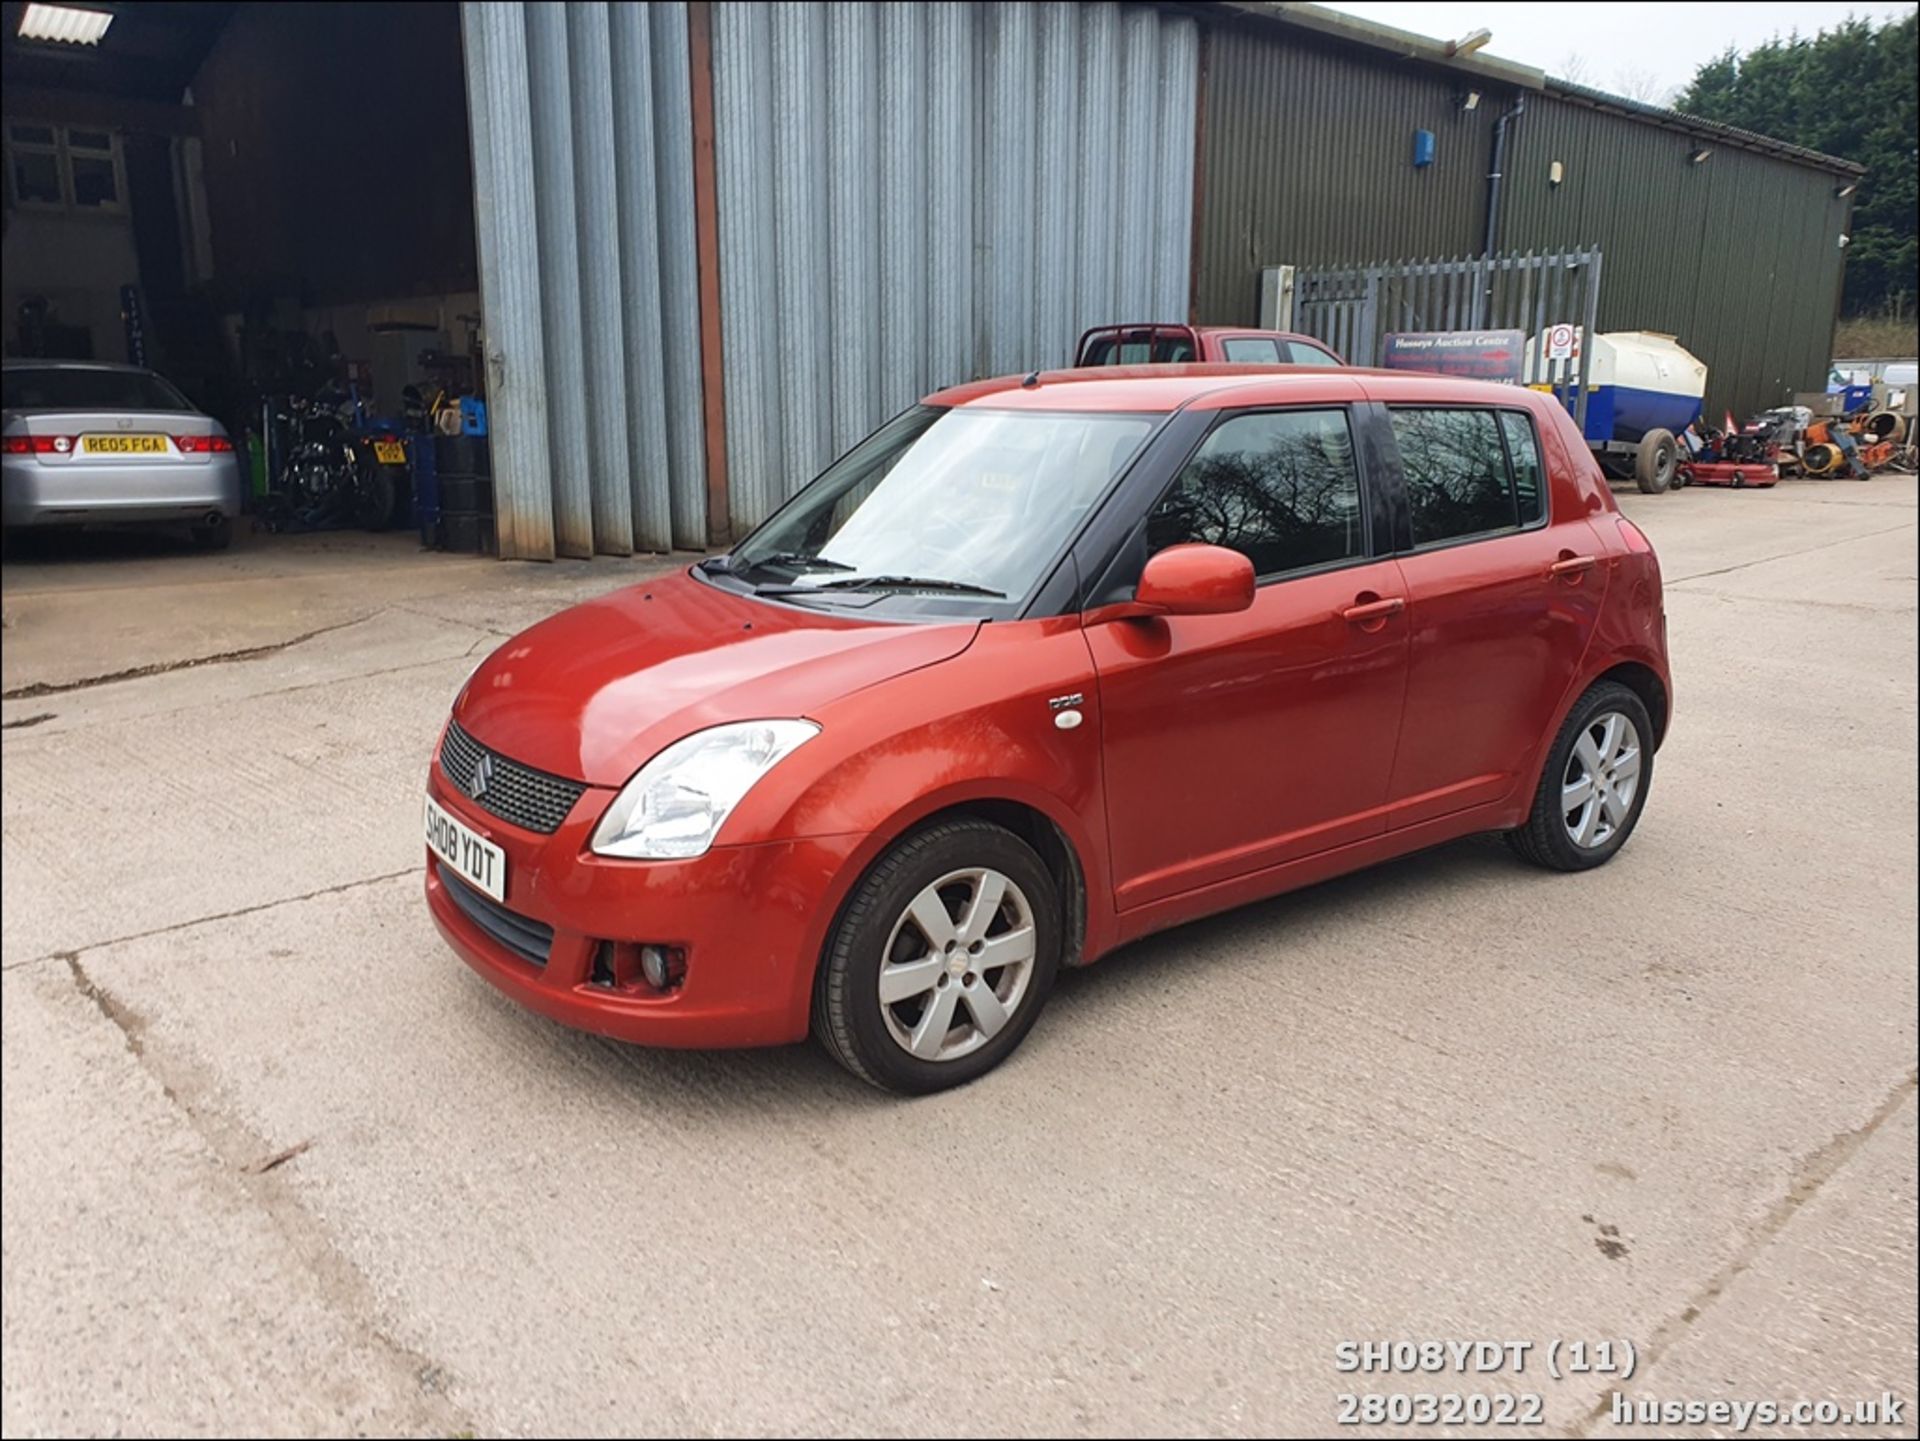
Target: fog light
<point x="663" y="966"/>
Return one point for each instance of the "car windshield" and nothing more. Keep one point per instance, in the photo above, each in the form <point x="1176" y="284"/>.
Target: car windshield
<point x="58" y="387"/>
<point x="961" y="501"/>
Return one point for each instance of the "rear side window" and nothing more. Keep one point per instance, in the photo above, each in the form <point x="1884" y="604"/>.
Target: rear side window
<point x="1459" y="480"/>
<point x="1529" y="481"/>
<point x="1250" y="350"/>
<point x="1279" y="487"/>
<point x="1299" y="352"/>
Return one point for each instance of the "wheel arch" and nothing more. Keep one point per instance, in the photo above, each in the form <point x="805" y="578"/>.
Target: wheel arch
<point x="1644" y="681"/>
<point x="1050" y="843"/>
<point x="1051" y="837"/>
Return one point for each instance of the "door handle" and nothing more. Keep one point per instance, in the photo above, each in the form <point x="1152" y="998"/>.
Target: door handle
<point x="1374" y="610"/>
<point x="1572" y="565"/>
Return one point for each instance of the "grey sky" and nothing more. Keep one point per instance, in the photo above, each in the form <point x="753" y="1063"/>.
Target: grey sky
<point x="1645" y="50"/>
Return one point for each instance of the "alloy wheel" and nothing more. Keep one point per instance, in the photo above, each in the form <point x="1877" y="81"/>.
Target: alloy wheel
<point x="957" y="964"/>
<point x="1601" y="780"/>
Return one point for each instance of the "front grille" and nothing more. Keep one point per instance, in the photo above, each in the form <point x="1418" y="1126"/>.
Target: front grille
<point x="520" y="795"/>
<point x="526" y="938"/>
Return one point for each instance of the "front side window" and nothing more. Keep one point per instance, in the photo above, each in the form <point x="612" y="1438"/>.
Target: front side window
<point x="1279" y="487"/>
<point x="1456" y="474"/>
<point x="976" y="497"/>
<point x="1250" y="350"/>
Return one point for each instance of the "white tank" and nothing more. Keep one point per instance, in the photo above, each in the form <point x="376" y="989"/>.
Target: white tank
<point x="1647" y="360"/>
<point x="1641" y="380"/>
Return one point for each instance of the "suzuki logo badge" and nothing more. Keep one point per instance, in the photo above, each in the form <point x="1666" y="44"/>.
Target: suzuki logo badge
<point x="482" y="777"/>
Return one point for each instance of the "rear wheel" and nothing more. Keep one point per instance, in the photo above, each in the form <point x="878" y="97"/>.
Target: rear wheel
<point x="373" y="499"/>
<point x="1594" y="784"/>
<point x="942" y="960"/>
<point x="1654" y="464"/>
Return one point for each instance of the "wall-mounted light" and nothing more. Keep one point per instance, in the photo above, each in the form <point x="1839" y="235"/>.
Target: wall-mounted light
<point x="64" y="23"/>
<point x="1469" y="42"/>
<point x="1699" y="157"/>
<point x="1469" y="99"/>
<point x="1845" y="190"/>
<point x="1556" y="173"/>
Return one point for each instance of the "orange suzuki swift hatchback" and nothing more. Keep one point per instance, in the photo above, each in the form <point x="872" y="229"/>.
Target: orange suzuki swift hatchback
<point x="1039" y="667"/>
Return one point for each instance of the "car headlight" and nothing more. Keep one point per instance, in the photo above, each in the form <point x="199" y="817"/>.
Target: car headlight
<point x="677" y="802"/>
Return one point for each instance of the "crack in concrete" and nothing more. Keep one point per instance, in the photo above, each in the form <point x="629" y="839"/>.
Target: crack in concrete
<point x="1812" y="1172"/>
<point x="140" y="672"/>
<point x="1787" y="555"/>
<point x="338" y="1282"/>
<point x="74" y="952"/>
<point x="453" y="620"/>
<point x="25" y="721"/>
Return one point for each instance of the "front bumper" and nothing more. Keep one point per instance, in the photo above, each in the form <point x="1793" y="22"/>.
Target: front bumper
<point x="751" y="919"/>
<point x="77" y="493"/>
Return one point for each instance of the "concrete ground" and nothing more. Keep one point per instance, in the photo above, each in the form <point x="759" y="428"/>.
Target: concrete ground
<point x="274" y="1161"/>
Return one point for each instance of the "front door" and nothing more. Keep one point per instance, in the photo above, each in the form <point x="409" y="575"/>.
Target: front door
<point x="1237" y="742"/>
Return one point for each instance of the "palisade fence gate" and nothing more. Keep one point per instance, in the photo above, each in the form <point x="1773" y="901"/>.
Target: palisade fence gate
<point x="1354" y="310"/>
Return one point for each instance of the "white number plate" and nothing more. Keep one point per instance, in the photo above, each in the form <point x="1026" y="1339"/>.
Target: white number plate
<point x="475" y="859"/>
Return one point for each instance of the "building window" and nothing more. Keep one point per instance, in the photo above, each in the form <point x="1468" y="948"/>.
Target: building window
<point x="57" y="167"/>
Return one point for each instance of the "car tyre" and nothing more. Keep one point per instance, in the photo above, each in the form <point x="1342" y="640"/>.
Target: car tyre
<point x="373" y="503"/>
<point x="1653" y="465"/>
<point x="980" y="1016"/>
<point x="212" y="537"/>
<point x="1552" y="836"/>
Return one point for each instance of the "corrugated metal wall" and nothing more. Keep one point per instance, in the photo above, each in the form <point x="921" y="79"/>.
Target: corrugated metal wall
<point x="1309" y="161"/>
<point x="912" y="195"/>
<point x="583" y="183"/>
<point x="1737" y="255"/>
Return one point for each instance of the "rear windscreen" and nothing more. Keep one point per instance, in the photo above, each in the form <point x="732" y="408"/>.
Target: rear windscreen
<point x="1139" y="347"/>
<point x="60" y="388"/>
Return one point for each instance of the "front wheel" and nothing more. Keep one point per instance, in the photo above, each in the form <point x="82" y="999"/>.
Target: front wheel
<point x="942" y="960"/>
<point x="1594" y="784"/>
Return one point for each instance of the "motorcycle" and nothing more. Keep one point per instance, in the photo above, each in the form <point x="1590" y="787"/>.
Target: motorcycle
<point x="341" y="469"/>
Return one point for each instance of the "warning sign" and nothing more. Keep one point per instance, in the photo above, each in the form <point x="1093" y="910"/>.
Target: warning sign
<point x="1563" y="342"/>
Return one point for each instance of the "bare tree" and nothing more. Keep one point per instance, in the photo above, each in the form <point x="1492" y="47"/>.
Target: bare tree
<point x="1575" y="66"/>
<point x="1637" y="84"/>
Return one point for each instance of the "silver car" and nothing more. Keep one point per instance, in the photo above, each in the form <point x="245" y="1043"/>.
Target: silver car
<point x="89" y="443"/>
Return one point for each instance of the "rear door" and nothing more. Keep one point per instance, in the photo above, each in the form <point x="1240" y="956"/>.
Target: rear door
<point x="1503" y="586"/>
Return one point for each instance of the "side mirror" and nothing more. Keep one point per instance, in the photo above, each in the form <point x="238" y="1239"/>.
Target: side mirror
<point x="1194" y="580"/>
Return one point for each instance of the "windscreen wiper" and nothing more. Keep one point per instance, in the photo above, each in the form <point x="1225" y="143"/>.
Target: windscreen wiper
<point x="728" y="565"/>
<point x="884" y="582"/>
